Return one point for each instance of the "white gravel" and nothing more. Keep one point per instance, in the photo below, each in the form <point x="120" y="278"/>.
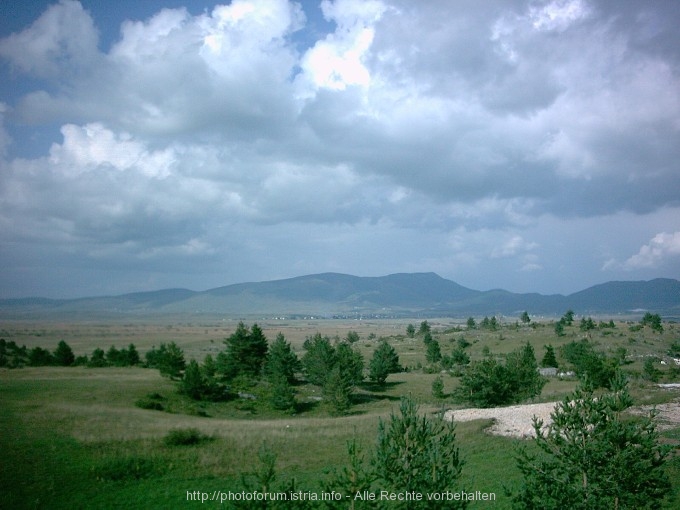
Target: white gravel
<point x="514" y="421"/>
<point x="517" y="421"/>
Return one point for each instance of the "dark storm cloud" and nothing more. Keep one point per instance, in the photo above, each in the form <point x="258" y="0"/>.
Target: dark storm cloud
<point x="469" y="128"/>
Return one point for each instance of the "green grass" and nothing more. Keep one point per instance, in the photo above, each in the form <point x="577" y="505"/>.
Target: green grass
<point x="77" y="438"/>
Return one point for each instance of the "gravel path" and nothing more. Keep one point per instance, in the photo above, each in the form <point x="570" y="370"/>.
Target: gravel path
<point x="516" y="421"/>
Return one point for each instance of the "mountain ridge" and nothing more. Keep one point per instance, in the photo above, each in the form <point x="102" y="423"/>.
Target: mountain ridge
<point x="331" y="294"/>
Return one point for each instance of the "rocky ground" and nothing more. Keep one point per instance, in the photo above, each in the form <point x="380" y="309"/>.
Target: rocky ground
<point x="516" y="421"/>
<point x="508" y="421"/>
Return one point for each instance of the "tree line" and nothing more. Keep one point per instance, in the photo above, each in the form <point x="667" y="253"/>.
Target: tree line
<point x="249" y="363"/>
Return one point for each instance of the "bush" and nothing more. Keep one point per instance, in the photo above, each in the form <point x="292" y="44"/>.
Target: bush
<point x="151" y="405"/>
<point x="185" y="437"/>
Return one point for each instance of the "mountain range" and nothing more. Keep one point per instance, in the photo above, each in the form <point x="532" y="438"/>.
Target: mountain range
<point x="334" y="294"/>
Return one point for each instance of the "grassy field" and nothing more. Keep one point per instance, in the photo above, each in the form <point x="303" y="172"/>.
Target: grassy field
<point x="74" y="438"/>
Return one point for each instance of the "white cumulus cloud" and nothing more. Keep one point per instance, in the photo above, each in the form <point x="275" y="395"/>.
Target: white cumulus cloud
<point x="660" y="249"/>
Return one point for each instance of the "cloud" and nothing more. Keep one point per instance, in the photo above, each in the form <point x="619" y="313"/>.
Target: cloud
<point x="61" y="42"/>
<point x="660" y="249"/>
<point x="91" y="146"/>
<point x="338" y="61"/>
<point x="516" y="244"/>
<point x="468" y="130"/>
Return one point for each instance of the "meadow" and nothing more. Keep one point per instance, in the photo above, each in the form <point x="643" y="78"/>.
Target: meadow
<point x="73" y="437"/>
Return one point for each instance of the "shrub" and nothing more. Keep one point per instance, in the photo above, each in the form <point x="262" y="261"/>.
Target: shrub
<point x="185" y="437"/>
<point x="151" y="405"/>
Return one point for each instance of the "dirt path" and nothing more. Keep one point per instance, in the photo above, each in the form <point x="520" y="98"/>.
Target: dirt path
<point x="516" y="421"/>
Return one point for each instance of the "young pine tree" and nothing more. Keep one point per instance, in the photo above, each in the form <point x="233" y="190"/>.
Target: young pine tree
<point x="98" y="358"/>
<point x="63" y="355"/>
<point x="355" y="478"/>
<point x="319" y="359"/>
<point x="549" y="358"/>
<point x="193" y="384"/>
<point x="434" y="353"/>
<point x="171" y="362"/>
<point x="282" y="394"/>
<point x="523" y="375"/>
<point x="281" y="360"/>
<point x="416" y="454"/>
<point x="385" y="361"/>
<point x="438" y="387"/>
<point x="591" y="457"/>
<point x="337" y="391"/>
<point x="245" y="353"/>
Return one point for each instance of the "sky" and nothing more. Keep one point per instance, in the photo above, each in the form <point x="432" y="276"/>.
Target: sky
<point x="532" y="146"/>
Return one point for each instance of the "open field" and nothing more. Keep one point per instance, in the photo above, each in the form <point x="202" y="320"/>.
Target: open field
<point x="73" y="437"/>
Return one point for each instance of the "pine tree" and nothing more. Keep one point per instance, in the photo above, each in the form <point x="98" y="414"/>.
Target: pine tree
<point x="245" y="353"/>
<point x="459" y="357"/>
<point x="434" y="353"/>
<point x="352" y="337"/>
<point x="132" y="355"/>
<point x="281" y="360"/>
<point x="523" y="375"/>
<point x="410" y="331"/>
<point x="590" y="457"/>
<point x="98" y="359"/>
<point x="337" y="391"/>
<point x="171" y="362"/>
<point x="487" y="383"/>
<point x="114" y="358"/>
<point x="350" y="362"/>
<point x="385" y="361"/>
<point x="319" y="359"/>
<point x="559" y="328"/>
<point x="39" y="357"/>
<point x="424" y="328"/>
<point x="63" y="355"/>
<point x="193" y="384"/>
<point x="438" y="387"/>
<point x="549" y="359"/>
<point x="282" y="396"/>
<point x="356" y="478"/>
<point x="279" y="369"/>
<point x="416" y="454"/>
<point x="589" y="365"/>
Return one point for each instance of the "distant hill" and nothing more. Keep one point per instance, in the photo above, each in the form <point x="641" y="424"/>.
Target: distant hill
<point x="334" y="294"/>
